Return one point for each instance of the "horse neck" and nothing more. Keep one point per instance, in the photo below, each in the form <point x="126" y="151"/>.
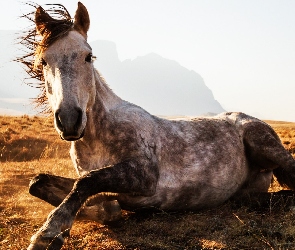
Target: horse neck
<point x="105" y="98"/>
<point x="105" y="101"/>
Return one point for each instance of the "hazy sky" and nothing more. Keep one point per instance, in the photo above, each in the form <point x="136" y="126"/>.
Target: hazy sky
<point x="244" y="49"/>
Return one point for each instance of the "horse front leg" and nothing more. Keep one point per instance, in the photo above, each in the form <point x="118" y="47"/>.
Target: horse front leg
<point x="126" y="177"/>
<point x="51" y="188"/>
<point x="54" y="189"/>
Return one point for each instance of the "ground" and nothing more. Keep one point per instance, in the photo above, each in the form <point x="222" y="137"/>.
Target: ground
<point x="29" y="145"/>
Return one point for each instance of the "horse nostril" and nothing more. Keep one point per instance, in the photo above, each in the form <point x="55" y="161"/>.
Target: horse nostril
<point x="58" y="122"/>
<point x="79" y="120"/>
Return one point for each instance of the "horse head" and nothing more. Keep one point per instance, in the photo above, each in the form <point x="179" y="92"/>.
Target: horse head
<point x="68" y="71"/>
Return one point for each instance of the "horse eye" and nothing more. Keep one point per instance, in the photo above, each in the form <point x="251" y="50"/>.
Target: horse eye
<point x="43" y="62"/>
<point x="88" y="58"/>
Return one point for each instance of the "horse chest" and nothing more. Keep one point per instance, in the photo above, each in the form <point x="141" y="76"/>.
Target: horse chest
<point x="86" y="158"/>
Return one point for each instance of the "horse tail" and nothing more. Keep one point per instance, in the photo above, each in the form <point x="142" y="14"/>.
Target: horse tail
<point x="264" y="148"/>
<point x="285" y="177"/>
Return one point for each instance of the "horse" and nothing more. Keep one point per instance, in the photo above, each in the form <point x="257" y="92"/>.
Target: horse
<point x="127" y="158"/>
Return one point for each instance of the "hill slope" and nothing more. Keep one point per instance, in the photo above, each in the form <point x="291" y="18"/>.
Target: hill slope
<point x="160" y="85"/>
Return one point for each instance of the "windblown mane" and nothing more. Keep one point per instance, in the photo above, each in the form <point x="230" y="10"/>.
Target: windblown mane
<point x="34" y="45"/>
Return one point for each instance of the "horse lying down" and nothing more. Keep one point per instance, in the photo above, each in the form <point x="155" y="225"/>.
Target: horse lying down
<point x="128" y="158"/>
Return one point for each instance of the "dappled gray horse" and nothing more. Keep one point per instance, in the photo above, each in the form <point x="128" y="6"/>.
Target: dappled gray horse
<point x="126" y="157"/>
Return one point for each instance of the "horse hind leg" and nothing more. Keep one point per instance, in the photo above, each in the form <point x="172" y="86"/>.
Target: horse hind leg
<point x="54" y="189"/>
<point x="258" y="181"/>
<point x="265" y="152"/>
<point x="100" y="208"/>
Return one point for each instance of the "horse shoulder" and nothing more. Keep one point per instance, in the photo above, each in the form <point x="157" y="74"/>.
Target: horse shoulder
<point x="127" y="132"/>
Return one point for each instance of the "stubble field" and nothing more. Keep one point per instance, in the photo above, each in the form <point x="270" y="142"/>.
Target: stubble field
<point x="29" y="145"/>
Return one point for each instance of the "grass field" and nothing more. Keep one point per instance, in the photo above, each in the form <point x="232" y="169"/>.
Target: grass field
<point x="29" y="145"/>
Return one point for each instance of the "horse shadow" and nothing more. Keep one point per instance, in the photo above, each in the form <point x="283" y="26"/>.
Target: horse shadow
<point x="228" y="226"/>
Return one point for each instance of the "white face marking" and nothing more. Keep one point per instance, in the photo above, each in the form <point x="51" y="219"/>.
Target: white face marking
<point x="70" y="83"/>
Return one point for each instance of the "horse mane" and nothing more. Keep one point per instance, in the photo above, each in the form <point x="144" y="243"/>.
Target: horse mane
<point x="34" y="45"/>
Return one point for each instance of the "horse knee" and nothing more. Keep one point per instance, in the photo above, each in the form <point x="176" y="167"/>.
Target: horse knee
<point x="37" y="183"/>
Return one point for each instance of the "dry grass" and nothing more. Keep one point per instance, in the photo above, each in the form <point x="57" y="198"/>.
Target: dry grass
<point x="29" y="138"/>
<point x="286" y="131"/>
<point x="29" y="145"/>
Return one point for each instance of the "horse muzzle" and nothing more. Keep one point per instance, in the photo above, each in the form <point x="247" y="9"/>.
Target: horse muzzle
<point x="68" y="123"/>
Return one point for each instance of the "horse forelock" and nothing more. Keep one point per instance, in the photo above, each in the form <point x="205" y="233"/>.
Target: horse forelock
<point x="34" y="46"/>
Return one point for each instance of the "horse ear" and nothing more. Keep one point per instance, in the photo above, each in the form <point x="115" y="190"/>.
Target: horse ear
<point x="82" y="21"/>
<point x="41" y="19"/>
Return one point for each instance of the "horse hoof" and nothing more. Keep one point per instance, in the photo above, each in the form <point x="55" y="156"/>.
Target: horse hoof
<point x="42" y="243"/>
<point x="53" y="244"/>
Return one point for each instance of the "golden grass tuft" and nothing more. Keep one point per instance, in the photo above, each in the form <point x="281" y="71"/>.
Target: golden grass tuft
<point x="29" y="138"/>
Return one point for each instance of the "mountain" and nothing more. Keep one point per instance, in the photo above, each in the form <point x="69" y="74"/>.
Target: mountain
<point x="159" y="85"/>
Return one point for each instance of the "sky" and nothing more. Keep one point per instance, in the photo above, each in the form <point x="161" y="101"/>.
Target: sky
<point x="243" y="49"/>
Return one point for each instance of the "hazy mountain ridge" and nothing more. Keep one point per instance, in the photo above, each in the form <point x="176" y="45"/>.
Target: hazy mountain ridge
<point x="159" y="85"/>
